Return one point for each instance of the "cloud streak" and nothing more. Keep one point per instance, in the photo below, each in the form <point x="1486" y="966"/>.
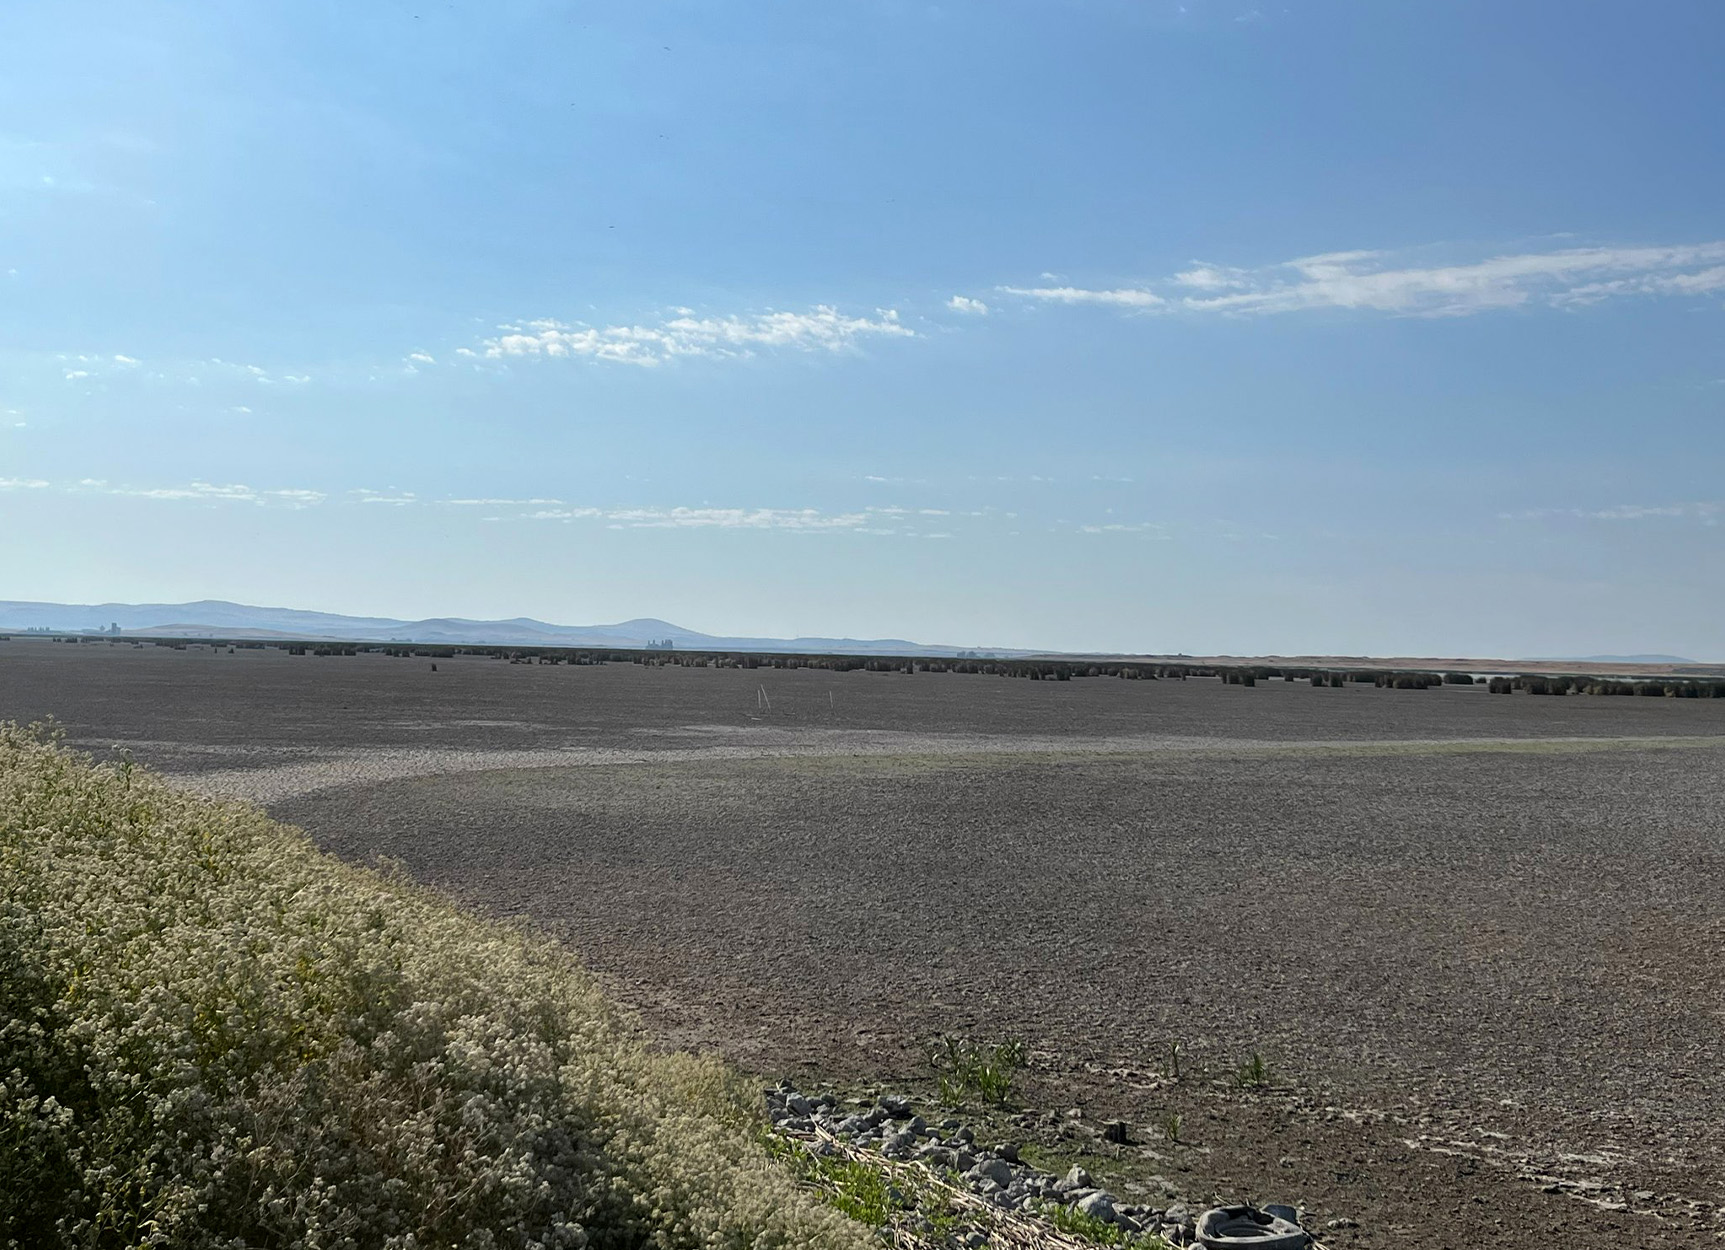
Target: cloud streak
<point x="683" y="335"/>
<point x="1706" y="511"/>
<point x="210" y="492"/>
<point x="869" y="520"/>
<point x="1379" y="282"/>
<point x="1121" y="297"/>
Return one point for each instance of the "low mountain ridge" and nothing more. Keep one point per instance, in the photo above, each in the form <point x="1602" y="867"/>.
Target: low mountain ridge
<point x="210" y="618"/>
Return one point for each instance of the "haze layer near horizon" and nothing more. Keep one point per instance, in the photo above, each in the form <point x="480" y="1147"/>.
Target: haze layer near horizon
<point x="1323" y="328"/>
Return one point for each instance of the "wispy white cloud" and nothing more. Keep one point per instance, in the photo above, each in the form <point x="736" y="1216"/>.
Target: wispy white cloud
<point x="888" y="519"/>
<point x="212" y="492"/>
<point x="880" y="519"/>
<point x="965" y="304"/>
<point x="1119" y="297"/>
<point x="1382" y="282"/>
<point x="498" y="503"/>
<point x="1204" y="277"/>
<point x="197" y="491"/>
<point x="1703" y="282"/>
<point x="737" y="518"/>
<point x="1154" y="529"/>
<point x="1707" y="511"/>
<point x="684" y="335"/>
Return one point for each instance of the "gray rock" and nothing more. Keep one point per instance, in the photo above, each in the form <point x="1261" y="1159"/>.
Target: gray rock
<point x="1098" y="1206"/>
<point x="1008" y="1151"/>
<point x="895" y="1105"/>
<point x="997" y="1170"/>
<point x="1078" y="1178"/>
<point x="797" y="1103"/>
<point x="963" y="1160"/>
<point x="918" y="1125"/>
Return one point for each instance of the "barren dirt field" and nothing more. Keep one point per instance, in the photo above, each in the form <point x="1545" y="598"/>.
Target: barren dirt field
<point x="1478" y="938"/>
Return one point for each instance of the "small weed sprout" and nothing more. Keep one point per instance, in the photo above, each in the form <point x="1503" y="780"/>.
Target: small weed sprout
<point x="1174" y="1060"/>
<point x="966" y="1068"/>
<point x="1171" y="1127"/>
<point x="1253" y="1074"/>
<point x="1091" y="1229"/>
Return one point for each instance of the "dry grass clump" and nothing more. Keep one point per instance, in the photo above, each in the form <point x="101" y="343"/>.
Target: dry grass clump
<point x="213" y="1035"/>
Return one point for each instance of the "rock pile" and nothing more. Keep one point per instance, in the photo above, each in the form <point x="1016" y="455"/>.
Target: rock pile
<point x="993" y="1173"/>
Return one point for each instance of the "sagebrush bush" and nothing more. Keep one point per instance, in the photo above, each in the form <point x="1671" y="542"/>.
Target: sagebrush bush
<point x="213" y="1035"/>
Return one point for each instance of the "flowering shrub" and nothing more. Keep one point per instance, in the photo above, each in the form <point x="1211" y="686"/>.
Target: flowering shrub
<point x="214" y="1035"/>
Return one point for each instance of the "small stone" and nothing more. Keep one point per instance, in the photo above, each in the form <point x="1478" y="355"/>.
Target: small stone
<point x="797" y="1103"/>
<point x="1341" y="1221"/>
<point x="1078" y="1178"/>
<point x="1008" y="1151"/>
<point x="963" y="1160"/>
<point x="1115" y="1131"/>
<point x="918" y="1125"/>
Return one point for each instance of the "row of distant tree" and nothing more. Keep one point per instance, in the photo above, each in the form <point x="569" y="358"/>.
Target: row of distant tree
<point x="663" y="652"/>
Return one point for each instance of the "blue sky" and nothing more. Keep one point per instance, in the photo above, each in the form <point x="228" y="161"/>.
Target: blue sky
<point x="1303" y="327"/>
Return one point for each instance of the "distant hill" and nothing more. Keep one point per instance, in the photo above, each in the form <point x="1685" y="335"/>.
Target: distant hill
<point x="217" y="618"/>
<point x="1615" y="659"/>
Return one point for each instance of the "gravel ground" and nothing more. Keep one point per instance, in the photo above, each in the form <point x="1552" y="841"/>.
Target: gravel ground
<point x="1477" y="937"/>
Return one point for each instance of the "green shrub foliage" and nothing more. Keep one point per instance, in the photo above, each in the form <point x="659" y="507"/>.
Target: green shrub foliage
<point x="213" y="1035"/>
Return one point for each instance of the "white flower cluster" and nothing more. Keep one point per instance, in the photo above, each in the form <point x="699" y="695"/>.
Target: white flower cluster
<point x="213" y="1035"/>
